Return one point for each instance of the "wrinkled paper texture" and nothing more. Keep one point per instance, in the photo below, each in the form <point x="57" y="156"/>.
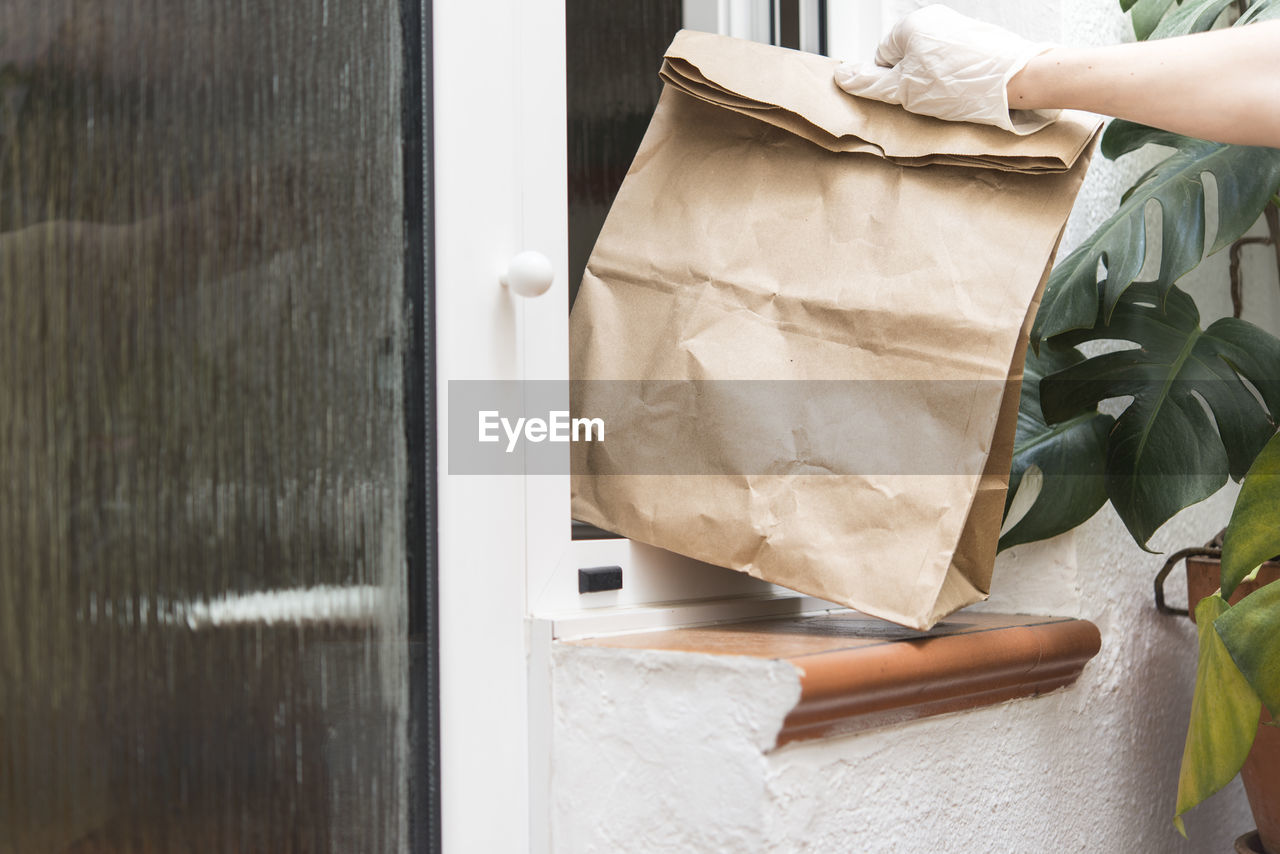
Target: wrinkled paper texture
<point x="774" y="228"/>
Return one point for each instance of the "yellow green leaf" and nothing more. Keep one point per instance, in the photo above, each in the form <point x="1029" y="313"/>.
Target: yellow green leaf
<point x="1224" y="716"/>
<point x="1250" y="632"/>
<point x="1253" y="535"/>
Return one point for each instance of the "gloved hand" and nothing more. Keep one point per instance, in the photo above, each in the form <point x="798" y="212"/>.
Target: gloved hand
<point x="940" y="63"/>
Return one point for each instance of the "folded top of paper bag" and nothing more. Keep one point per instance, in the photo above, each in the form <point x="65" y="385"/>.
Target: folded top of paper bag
<point x="795" y="91"/>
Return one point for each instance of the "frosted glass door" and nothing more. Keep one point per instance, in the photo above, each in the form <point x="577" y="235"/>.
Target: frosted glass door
<point x="202" y="439"/>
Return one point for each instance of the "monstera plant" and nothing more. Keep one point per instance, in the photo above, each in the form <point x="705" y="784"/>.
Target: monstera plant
<point x="1203" y="402"/>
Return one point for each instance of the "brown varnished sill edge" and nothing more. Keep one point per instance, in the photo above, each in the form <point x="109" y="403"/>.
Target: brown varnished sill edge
<point x="869" y="683"/>
<point x="851" y="690"/>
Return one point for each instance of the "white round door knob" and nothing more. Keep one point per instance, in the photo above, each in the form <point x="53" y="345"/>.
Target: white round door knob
<point x="529" y="274"/>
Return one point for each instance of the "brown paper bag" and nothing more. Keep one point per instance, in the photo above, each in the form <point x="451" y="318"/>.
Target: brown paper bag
<point x="803" y="326"/>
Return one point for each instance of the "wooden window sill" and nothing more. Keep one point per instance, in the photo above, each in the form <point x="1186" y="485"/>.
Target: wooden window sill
<point x="857" y="672"/>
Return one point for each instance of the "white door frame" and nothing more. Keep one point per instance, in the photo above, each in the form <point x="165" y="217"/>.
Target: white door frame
<point x="488" y="132"/>
<point x="500" y="179"/>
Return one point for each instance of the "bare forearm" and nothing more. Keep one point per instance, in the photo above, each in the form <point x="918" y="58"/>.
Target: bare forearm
<point x="1223" y="85"/>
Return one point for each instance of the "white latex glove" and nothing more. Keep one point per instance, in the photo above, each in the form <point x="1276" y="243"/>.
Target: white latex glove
<point x="940" y="63"/>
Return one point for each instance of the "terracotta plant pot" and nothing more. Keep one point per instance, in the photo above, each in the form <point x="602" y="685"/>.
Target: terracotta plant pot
<point x="1261" y="772"/>
<point x="1249" y="844"/>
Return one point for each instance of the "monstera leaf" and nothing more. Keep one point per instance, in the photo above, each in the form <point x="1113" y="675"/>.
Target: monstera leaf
<point x="1192" y="421"/>
<point x="1246" y="178"/>
<point x="1191" y="16"/>
<point x="1068" y="457"/>
<point x="1265" y="10"/>
<point x="1146" y="14"/>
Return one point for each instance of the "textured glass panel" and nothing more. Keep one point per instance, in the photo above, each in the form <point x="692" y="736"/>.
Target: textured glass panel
<point x="202" y="457"/>
<point x="613" y="54"/>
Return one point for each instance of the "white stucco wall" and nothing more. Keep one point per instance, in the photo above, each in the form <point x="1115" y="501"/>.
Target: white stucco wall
<point x="667" y="752"/>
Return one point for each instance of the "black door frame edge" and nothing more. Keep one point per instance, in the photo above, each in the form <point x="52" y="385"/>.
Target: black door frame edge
<point x="420" y="405"/>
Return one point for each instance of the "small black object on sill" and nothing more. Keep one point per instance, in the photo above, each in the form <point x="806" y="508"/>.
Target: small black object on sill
<point x="597" y="579"/>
